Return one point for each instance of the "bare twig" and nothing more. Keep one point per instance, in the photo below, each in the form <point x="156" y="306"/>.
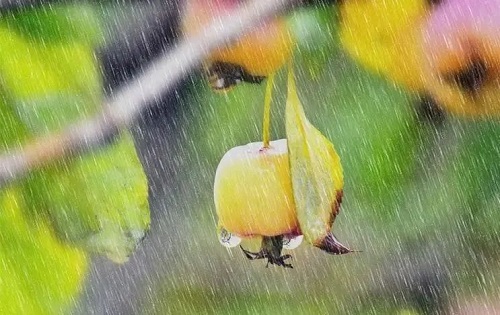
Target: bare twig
<point x="121" y="111"/>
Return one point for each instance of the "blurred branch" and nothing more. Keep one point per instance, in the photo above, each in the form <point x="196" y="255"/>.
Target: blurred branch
<point x="122" y="110"/>
<point x="150" y="30"/>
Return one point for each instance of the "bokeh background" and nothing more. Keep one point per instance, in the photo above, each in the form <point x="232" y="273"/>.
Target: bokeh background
<point x="422" y="197"/>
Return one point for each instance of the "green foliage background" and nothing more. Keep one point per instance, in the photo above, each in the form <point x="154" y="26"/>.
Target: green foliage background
<point x="96" y="203"/>
<point x="417" y="199"/>
<point x="421" y="201"/>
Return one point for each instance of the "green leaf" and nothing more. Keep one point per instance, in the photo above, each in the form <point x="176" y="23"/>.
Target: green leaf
<point x="50" y="85"/>
<point x="52" y="79"/>
<point x="38" y="274"/>
<point x="316" y="171"/>
<point x="59" y="23"/>
<point x="52" y="111"/>
<point x="98" y="202"/>
<point x="12" y="130"/>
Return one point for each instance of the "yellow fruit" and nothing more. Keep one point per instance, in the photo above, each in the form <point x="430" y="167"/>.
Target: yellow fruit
<point x="449" y="49"/>
<point x="280" y="192"/>
<point x="253" y="191"/>
<point x="259" y="52"/>
<point x="462" y="47"/>
<point x="384" y="36"/>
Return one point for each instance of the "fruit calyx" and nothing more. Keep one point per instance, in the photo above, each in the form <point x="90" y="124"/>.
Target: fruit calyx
<point x="223" y="76"/>
<point x="271" y="249"/>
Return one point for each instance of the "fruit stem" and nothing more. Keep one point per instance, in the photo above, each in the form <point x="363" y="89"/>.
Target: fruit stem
<point x="266" y="124"/>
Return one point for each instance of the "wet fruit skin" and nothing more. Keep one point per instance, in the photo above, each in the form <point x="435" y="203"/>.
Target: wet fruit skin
<point x="260" y="52"/>
<point x="253" y="191"/>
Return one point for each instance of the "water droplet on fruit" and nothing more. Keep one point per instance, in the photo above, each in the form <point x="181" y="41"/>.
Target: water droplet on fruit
<point x="292" y="242"/>
<point x="228" y="239"/>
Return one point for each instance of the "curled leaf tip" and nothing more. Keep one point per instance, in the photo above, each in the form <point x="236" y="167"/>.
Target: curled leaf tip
<point x="331" y="245"/>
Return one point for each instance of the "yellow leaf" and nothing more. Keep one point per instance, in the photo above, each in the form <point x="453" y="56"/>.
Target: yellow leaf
<point x="315" y="170"/>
